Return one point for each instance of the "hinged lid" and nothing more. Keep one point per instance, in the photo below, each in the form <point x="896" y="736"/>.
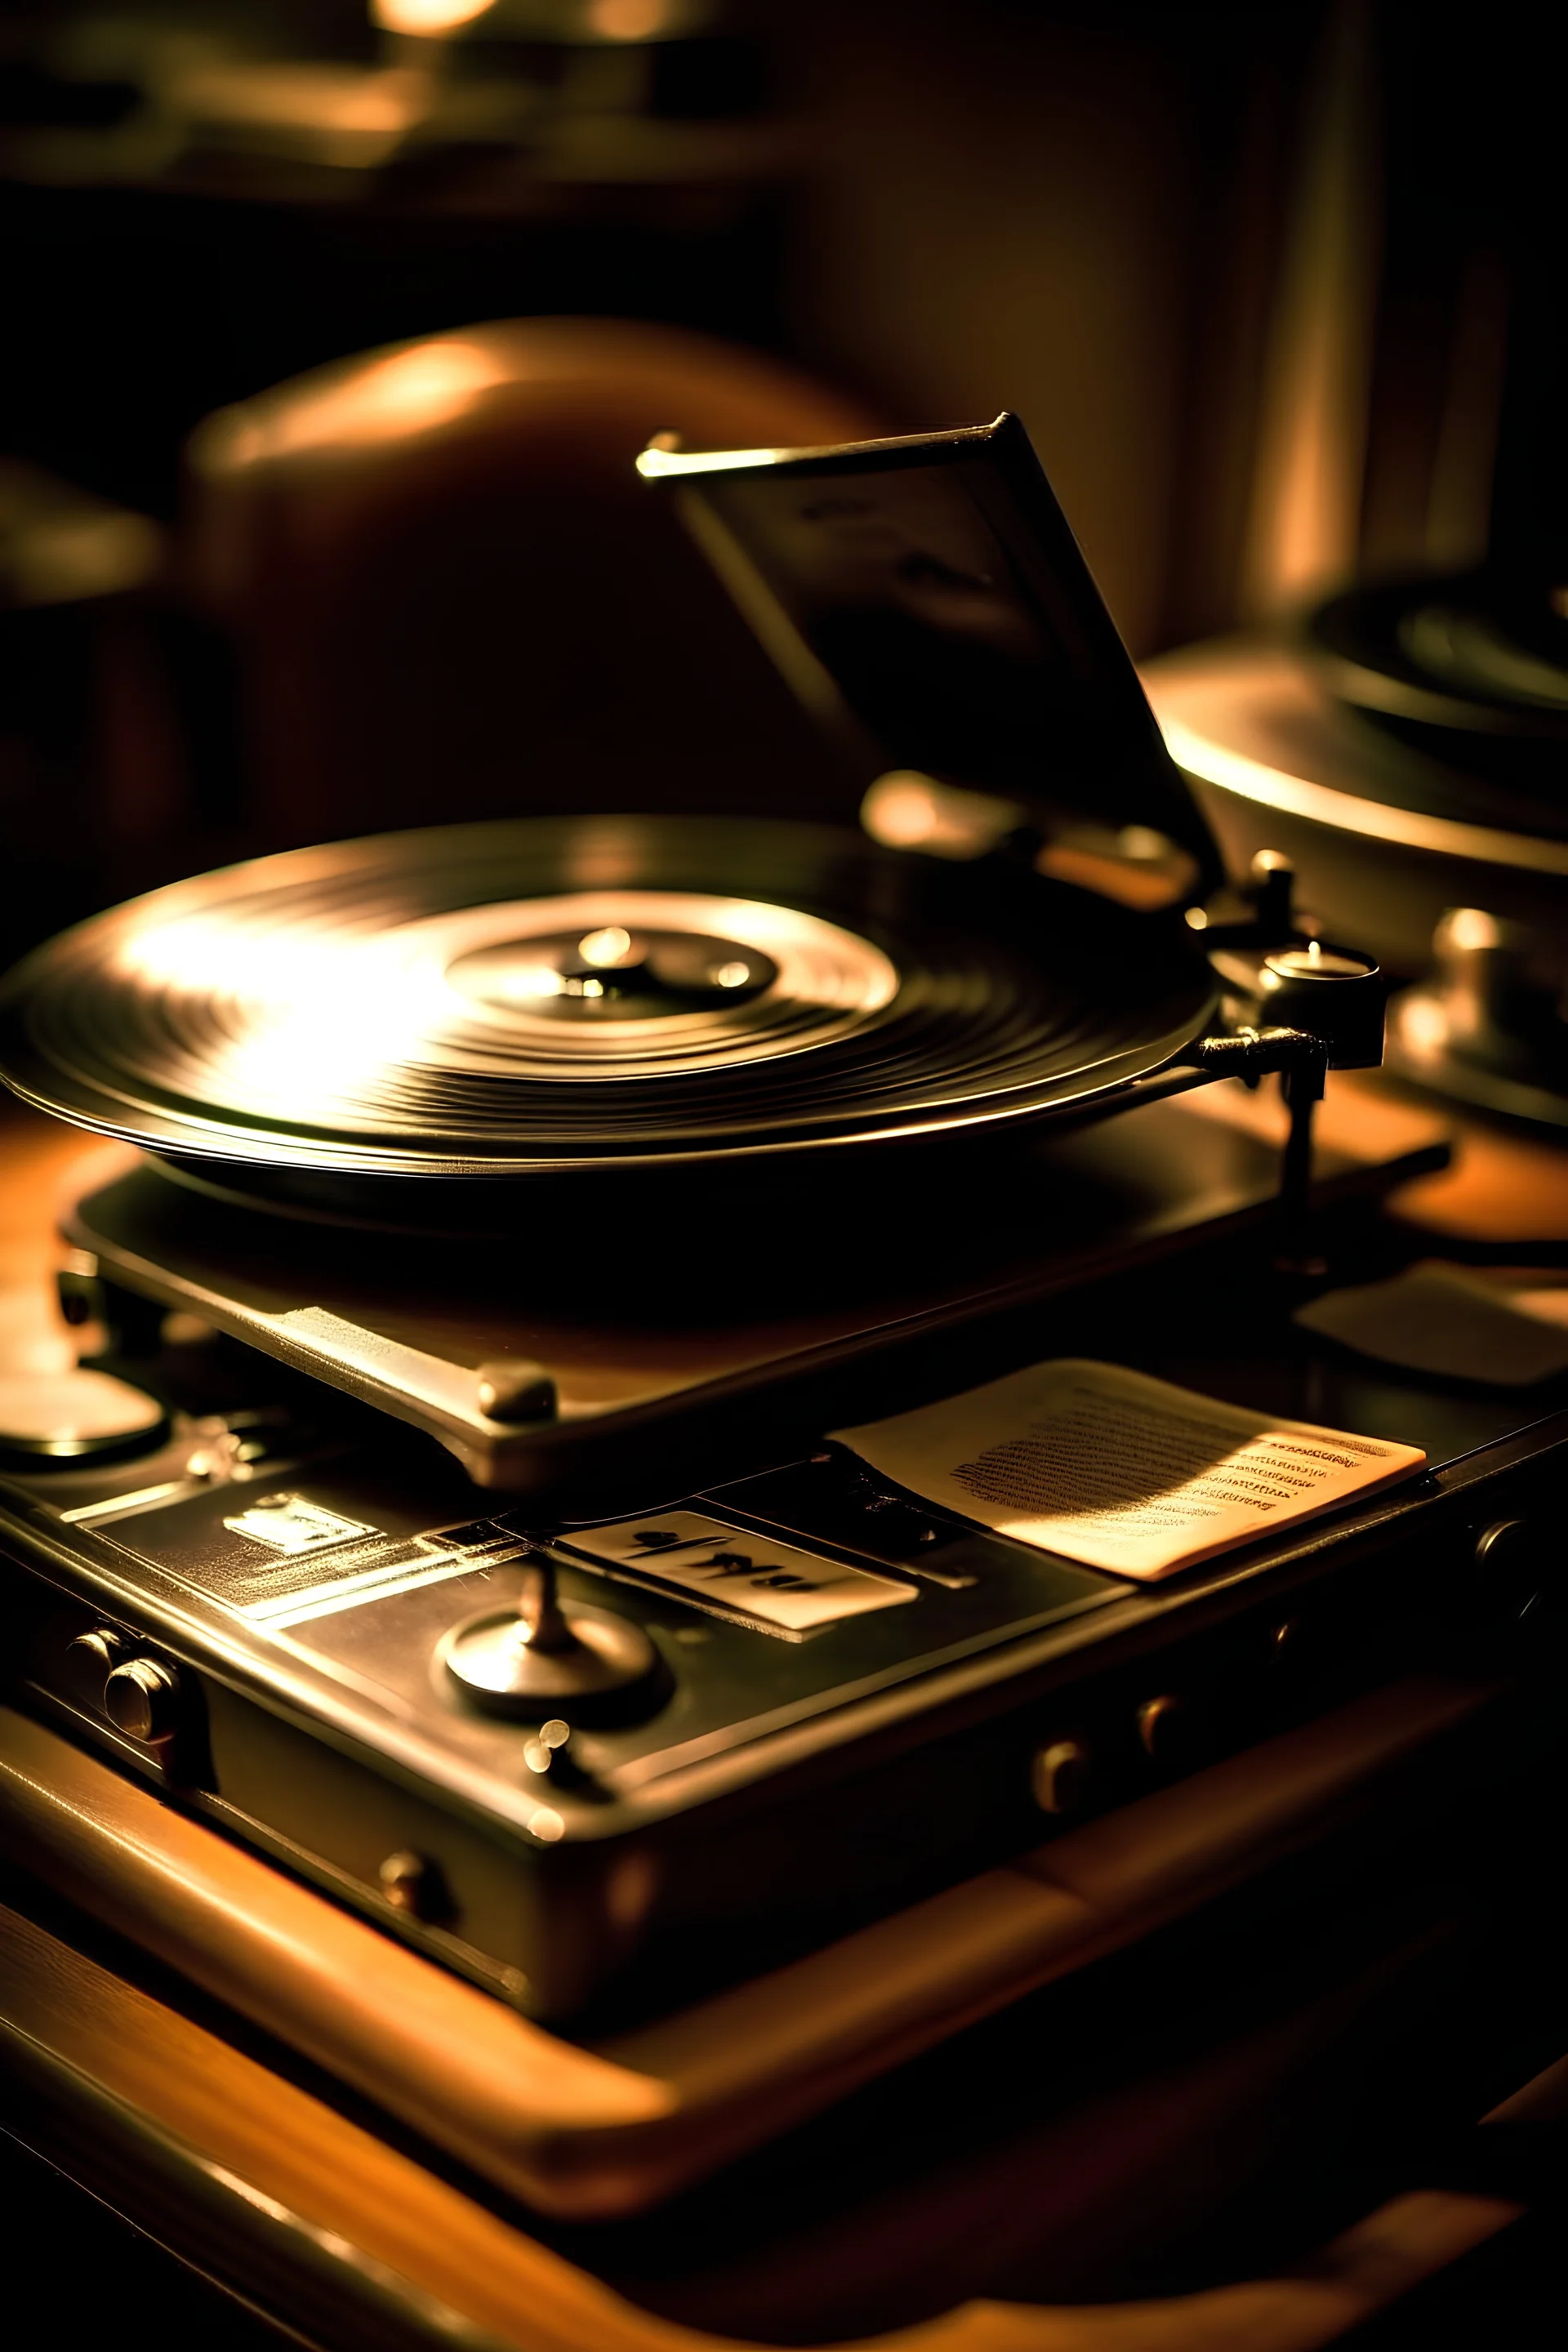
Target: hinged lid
<point x="928" y="603"/>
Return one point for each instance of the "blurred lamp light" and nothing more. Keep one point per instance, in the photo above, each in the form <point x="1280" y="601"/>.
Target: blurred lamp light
<point x="412" y="391"/>
<point x="628" y="20"/>
<point x="906" y="810"/>
<point x="425" y="15"/>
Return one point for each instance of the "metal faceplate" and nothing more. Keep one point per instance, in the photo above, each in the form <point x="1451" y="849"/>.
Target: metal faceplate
<point x="849" y="1691"/>
<point x="302" y="1572"/>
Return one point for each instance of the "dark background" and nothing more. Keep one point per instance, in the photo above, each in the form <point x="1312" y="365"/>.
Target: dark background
<point x="1278" y="291"/>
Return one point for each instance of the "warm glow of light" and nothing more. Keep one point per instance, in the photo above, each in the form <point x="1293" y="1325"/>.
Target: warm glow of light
<point x="425" y="15"/>
<point x="534" y="980"/>
<point x="203" y="952"/>
<point x="1423" y="1026"/>
<point x="313" y="1025"/>
<point x="342" y="114"/>
<point x="410" y="391"/>
<point x="656" y="462"/>
<point x="1253" y="780"/>
<point x="905" y="810"/>
<point x="901" y="810"/>
<point x="1096" y="862"/>
<point x="627" y="20"/>
<point x="1472" y="930"/>
<point x="1545" y="1306"/>
<point x="1314" y="961"/>
<point x="306" y="1019"/>
<point x="732" y="975"/>
<point x="608" y="946"/>
<point x="384" y="103"/>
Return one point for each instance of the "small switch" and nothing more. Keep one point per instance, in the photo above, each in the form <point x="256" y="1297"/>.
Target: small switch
<point x="140" y="1698"/>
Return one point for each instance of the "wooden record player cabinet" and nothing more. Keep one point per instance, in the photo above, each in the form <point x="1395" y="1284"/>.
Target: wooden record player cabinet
<point x="1275" y="1999"/>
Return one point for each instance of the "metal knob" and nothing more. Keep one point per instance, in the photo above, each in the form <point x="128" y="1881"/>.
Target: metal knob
<point x="1061" y="1776"/>
<point x="545" y="1653"/>
<point x="1484" y="971"/>
<point x="1335" y="994"/>
<point x="1488" y="1026"/>
<point x="1167" y="1729"/>
<point x="1514" y="1557"/>
<point x="1493" y="1007"/>
<point x="140" y="1698"/>
<point x="97" y="1650"/>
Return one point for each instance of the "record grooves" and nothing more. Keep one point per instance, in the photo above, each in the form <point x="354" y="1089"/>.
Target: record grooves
<point x="551" y="994"/>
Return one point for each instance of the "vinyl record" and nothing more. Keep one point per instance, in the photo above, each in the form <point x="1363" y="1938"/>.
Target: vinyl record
<point x="565" y="994"/>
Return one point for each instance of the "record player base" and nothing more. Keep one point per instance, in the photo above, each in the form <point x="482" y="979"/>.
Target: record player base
<point x="342" y="2237"/>
<point x="590" y="2131"/>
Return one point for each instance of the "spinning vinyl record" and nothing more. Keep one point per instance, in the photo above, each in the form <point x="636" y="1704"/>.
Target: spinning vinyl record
<point x="509" y="1000"/>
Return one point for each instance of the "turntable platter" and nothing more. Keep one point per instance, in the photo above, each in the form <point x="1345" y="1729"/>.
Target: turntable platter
<point x="506" y="1000"/>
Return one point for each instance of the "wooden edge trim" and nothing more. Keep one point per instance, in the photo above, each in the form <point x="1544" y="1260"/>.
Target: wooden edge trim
<point x="217" y="2223"/>
<point x="591" y="2132"/>
<point x="308" y="2216"/>
<point x="456" y="2063"/>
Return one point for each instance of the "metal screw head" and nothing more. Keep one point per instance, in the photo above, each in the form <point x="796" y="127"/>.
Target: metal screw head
<point x="412" y="1882"/>
<point x="142" y="1699"/>
<point x="550" y="1749"/>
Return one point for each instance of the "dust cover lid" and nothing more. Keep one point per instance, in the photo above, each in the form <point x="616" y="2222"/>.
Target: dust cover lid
<point x="927" y="601"/>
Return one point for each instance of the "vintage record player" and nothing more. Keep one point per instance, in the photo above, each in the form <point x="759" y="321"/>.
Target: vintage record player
<point x="448" y="1510"/>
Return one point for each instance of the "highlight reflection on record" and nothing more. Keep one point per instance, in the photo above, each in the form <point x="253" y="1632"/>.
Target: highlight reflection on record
<point x="550" y="992"/>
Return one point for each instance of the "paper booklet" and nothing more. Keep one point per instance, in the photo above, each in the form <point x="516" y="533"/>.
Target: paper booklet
<point x="1120" y="1471"/>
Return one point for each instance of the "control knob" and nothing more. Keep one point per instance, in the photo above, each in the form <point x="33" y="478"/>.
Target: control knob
<point x="1061" y="1776"/>
<point x="545" y="1653"/>
<point x="1170" y="1730"/>
<point x="1514" y="1557"/>
<point x="140" y="1697"/>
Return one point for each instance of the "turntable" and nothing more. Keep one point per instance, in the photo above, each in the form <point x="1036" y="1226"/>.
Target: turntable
<point x="510" y="1214"/>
